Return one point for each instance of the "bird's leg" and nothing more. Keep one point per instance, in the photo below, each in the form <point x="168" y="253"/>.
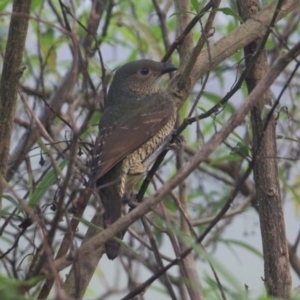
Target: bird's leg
<point x="130" y="201"/>
<point x="133" y="177"/>
<point x="178" y="144"/>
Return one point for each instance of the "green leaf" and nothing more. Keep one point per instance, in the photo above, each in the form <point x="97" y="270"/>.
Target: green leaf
<point x="214" y="98"/>
<point x="89" y="224"/>
<point x="182" y="12"/>
<point x="14" y="203"/>
<point x="225" y="158"/>
<point x="229" y="12"/>
<point x="241" y="149"/>
<point x="195" y="5"/>
<point x="281" y="137"/>
<point x="6" y="211"/>
<point x="133" y="55"/>
<point x="3" y="4"/>
<point x="294" y="189"/>
<point x="243" y="245"/>
<point x="51" y="59"/>
<point x="12" y="200"/>
<point x="9" y="288"/>
<point x="45" y="184"/>
<point x="100" y="229"/>
<point x="48" y="47"/>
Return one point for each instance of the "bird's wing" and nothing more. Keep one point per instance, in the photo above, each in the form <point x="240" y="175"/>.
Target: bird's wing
<point x="127" y="134"/>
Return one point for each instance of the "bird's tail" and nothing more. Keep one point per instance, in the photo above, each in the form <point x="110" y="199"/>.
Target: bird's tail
<point x="112" y="204"/>
<point x="112" y="212"/>
<point x="112" y="249"/>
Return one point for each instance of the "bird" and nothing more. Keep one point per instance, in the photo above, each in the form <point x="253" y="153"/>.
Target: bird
<point x="137" y="119"/>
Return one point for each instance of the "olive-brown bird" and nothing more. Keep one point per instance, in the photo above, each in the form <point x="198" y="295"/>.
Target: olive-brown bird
<point x="137" y="119"/>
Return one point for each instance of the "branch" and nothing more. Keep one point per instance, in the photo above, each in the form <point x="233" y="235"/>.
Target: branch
<point x="181" y="86"/>
<point x="11" y="72"/>
<point x="276" y="260"/>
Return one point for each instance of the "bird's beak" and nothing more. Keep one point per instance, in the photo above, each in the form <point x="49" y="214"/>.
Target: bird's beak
<point x="168" y="67"/>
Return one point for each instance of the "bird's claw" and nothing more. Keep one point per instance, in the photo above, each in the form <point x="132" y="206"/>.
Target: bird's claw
<point x="130" y="201"/>
<point x="178" y="144"/>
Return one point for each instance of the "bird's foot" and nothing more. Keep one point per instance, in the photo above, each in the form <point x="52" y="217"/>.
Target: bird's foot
<point x="130" y="200"/>
<point x="178" y="144"/>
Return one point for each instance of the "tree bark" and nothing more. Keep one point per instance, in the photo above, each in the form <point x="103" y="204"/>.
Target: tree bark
<point x="275" y="251"/>
<point x="11" y="72"/>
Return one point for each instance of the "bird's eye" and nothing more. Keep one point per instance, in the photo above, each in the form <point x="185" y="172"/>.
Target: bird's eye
<point x="144" y="71"/>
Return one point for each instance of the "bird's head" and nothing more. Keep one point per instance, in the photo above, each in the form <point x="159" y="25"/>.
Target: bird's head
<point x="137" y="79"/>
